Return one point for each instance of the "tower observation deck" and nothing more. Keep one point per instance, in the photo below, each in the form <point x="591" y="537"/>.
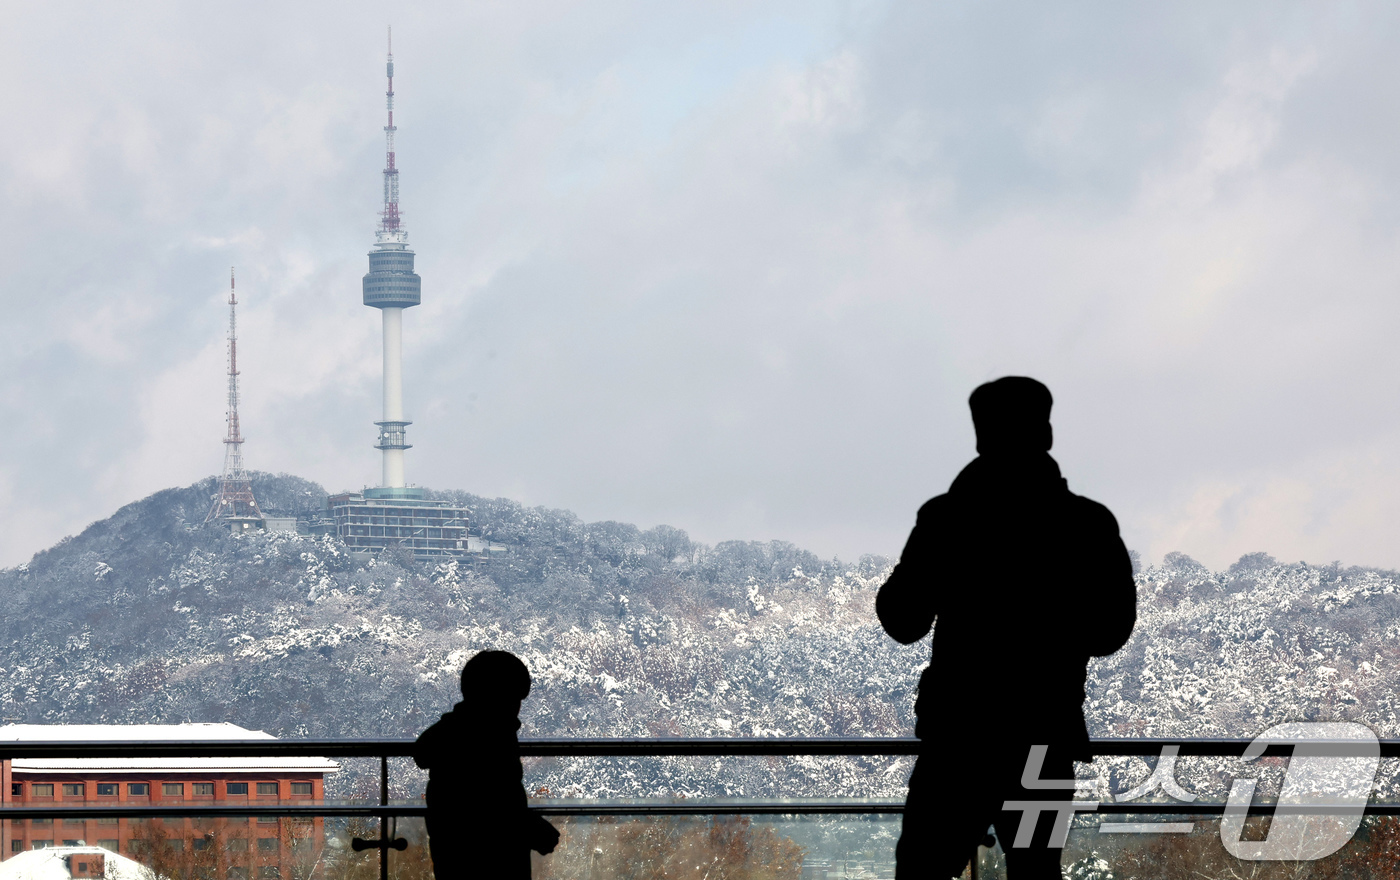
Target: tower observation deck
<point x="392" y="286"/>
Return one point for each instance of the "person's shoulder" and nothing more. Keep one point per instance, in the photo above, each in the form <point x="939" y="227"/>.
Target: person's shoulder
<point x="432" y="743"/>
<point x="935" y="507"/>
<point x="441" y="727"/>
<point x="1092" y="513"/>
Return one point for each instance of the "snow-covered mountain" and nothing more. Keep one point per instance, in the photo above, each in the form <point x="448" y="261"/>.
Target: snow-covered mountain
<point x="149" y="617"/>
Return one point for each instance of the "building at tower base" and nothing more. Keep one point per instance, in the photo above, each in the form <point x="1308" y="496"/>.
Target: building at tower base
<point x="375" y="520"/>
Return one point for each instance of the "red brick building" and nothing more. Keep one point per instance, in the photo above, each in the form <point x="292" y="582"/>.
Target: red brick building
<point x="222" y="848"/>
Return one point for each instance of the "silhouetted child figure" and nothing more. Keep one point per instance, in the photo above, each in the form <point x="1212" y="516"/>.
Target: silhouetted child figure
<point x="479" y="824"/>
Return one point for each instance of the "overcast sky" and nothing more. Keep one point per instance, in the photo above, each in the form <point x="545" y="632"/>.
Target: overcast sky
<point x="731" y="267"/>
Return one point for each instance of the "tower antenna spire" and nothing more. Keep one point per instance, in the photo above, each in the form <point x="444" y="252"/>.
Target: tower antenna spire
<point x="235" y="502"/>
<point x="389" y="228"/>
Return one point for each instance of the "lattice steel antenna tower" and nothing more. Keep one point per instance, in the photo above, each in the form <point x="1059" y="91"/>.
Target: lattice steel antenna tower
<point x="235" y="501"/>
<point x="392" y="286"/>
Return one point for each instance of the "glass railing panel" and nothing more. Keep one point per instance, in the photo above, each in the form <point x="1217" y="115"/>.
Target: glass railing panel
<point x="1097" y="849"/>
<point x="1209" y="778"/>
<point x="829" y="846"/>
<point x="695" y="847"/>
<point x="751" y="846"/>
<point x="342" y="861"/>
<point x="685" y="847"/>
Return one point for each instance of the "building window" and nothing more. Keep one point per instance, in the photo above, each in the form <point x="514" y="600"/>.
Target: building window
<point x="203" y="874"/>
<point x="106" y="789"/>
<point x="236" y="844"/>
<point x="16" y="845"/>
<point x="269" y="872"/>
<point x="172" y="789"/>
<point x="267" y="844"/>
<point x="237" y="788"/>
<point x="107" y="820"/>
<point x="237" y="873"/>
<point x="135" y="846"/>
<point x="138" y="789"/>
<point x="41" y="844"/>
<point x="72" y="789"/>
<point x="267" y="820"/>
<point x="73" y="822"/>
<point x="107" y="843"/>
<point x="175" y="845"/>
<point x="177" y="821"/>
<point x="301" y="788"/>
<point x="263" y="788"/>
<point x="202" y="789"/>
<point x="199" y="843"/>
<point x="16" y="789"/>
<point x="70" y="842"/>
<point x="41" y="789"/>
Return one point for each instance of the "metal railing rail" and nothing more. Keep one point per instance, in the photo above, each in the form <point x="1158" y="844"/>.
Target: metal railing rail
<point x="383" y="749"/>
<point x="696" y="807"/>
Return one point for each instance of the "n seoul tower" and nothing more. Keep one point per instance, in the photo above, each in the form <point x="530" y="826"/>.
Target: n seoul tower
<point x="392" y="286"/>
<point x="394" y="515"/>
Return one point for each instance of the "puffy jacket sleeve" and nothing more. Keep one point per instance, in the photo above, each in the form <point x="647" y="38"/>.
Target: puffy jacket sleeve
<point x="907" y="603"/>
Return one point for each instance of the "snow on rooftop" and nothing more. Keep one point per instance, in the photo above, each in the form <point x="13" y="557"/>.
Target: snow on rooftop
<point x="52" y="863"/>
<point x="173" y="765"/>
<point x="152" y="733"/>
<point x="136" y="732"/>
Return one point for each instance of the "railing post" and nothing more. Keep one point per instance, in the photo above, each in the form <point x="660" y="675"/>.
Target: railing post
<point x="988" y="841"/>
<point x="384" y="817"/>
<point x="384" y="842"/>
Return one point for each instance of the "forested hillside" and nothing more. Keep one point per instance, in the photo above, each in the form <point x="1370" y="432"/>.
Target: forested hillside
<point x="148" y="616"/>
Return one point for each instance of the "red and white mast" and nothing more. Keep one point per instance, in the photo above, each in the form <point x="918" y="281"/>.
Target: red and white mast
<point x="235" y="499"/>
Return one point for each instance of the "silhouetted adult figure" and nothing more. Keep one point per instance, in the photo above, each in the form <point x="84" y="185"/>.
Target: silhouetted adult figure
<point x="1026" y="582"/>
<point x="479" y="824"/>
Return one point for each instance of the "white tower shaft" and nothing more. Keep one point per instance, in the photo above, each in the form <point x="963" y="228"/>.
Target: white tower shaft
<point x="393" y="392"/>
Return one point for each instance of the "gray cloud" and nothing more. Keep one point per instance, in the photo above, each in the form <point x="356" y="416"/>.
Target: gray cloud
<point x="729" y="268"/>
